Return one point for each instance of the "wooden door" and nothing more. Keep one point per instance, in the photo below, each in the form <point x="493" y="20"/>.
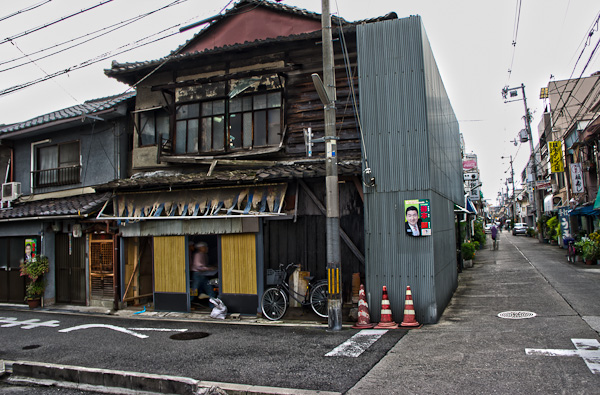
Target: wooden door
<point x="70" y="269"/>
<point x="238" y="284"/>
<point x="170" y="274"/>
<point x="12" y="285"/>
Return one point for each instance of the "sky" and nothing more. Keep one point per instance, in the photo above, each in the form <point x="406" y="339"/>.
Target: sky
<point x="472" y="42"/>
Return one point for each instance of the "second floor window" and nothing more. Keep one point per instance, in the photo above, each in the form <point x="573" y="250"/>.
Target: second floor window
<point x="57" y="165"/>
<point x="154" y="127"/>
<point x="243" y="122"/>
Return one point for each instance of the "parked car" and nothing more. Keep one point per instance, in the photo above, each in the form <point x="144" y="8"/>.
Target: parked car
<point x="520" y="228"/>
<point x="487" y="228"/>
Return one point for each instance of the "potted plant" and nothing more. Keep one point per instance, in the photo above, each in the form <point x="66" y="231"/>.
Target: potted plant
<point x="35" y="269"/>
<point x="590" y="250"/>
<point x="468" y="252"/>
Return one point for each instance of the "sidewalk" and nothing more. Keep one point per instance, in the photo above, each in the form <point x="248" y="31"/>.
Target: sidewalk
<point x="473" y="351"/>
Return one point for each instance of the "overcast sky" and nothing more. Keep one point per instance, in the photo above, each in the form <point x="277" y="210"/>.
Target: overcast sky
<point x="472" y="42"/>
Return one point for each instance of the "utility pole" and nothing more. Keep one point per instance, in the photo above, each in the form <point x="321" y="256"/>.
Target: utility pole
<point x="532" y="159"/>
<point x="326" y="90"/>
<point x="512" y="180"/>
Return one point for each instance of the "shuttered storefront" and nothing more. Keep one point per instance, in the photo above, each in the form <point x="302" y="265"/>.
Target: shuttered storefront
<point x="170" y="274"/>
<point x="238" y="272"/>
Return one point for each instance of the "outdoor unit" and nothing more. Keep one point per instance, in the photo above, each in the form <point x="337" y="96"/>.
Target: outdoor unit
<point x="11" y="191"/>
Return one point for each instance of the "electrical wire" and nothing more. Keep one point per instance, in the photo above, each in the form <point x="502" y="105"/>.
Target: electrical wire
<point x="514" y="38"/>
<point x="25" y="10"/>
<point x="35" y="29"/>
<point x="106" y="30"/>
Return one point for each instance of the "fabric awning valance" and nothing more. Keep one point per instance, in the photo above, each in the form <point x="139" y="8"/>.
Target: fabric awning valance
<point x="255" y="201"/>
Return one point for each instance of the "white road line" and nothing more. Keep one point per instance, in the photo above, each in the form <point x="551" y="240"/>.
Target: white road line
<point x="157" y="329"/>
<point x="588" y="349"/>
<point x="114" y="328"/>
<point x="357" y="344"/>
<point x="27" y="324"/>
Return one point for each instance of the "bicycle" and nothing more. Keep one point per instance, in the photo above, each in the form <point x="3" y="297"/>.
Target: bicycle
<point x="275" y="299"/>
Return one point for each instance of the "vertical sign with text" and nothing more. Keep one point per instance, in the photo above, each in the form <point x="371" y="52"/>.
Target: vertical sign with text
<point x="577" y="178"/>
<point x="556" y="157"/>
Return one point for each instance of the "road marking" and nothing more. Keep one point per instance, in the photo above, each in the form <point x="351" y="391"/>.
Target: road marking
<point x="588" y="349"/>
<point x="157" y="329"/>
<point x="27" y="324"/>
<point x="112" y="327"/>
<point x="357" y="344"/>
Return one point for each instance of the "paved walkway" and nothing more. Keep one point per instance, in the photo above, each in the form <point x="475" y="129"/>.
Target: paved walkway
<point x="474" y="351"/>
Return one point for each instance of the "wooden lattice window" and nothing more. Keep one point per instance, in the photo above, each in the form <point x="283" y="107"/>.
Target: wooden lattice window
<point x="101" y="268"/>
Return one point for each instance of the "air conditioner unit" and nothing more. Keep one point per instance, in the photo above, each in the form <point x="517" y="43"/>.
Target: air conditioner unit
<point x="11" y="191"/>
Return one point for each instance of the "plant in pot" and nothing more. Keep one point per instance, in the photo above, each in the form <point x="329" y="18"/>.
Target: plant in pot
<point x="467" y="250"/>
<point x="35" y="269"/>
<point x="589" y="250"/>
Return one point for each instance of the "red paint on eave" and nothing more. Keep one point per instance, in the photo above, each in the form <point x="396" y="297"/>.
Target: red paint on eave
<point x="257" y="24"/>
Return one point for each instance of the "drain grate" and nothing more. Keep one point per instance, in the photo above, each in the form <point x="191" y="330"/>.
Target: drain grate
<point x="517" y="315"/>
<point x="188" y="335"/>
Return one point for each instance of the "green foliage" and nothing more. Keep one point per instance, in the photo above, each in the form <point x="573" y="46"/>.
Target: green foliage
<point x="553" y="228"/>
<point x="35" y="269"/>
<point x="588" y="248"/>
<point x="531" y="232"/>
<point x="479" y="233"/>
<point x="468" y="250"/>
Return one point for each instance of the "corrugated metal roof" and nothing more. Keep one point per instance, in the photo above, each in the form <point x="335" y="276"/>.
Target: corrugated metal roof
<point x="89" y="107"/>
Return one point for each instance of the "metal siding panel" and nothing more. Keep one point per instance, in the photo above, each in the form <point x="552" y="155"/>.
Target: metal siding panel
<point x="410" y="133"/>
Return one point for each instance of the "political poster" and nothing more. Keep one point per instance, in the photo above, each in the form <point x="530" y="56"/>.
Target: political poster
<point x="417" y="219"/>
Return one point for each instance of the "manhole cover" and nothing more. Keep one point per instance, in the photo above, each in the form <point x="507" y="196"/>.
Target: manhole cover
<point x="31" y="347"/>
<point x="189" y="335"/>
<point x="516" y="315"/>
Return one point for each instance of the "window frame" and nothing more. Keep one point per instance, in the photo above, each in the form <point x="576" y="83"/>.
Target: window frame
<point x="157" y="113"/>
<point x="58" y="175"/>
<point x="268" y="117"/>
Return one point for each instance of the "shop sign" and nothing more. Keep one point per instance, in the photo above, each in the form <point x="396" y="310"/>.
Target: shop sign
<point x="556" y="157"/>
<point x="577" y="178"/>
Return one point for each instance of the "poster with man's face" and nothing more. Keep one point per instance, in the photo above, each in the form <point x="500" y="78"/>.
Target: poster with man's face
<point x="30" y="249"/>
<point x="417" y="217"/>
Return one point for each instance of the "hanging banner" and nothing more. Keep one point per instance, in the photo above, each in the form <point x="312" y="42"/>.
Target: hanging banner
<point x="577" y="178"/>
<point x="556" y="157"/>
<point x="417" y="220"/>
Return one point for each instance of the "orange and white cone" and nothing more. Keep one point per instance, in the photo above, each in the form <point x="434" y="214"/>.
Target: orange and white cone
<point x="409" y="310"/>
<point x="386" y="313"/>
<point x="364" y="320"/>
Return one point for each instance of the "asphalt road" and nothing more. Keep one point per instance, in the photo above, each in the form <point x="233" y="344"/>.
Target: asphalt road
<point x="289" y="357"/>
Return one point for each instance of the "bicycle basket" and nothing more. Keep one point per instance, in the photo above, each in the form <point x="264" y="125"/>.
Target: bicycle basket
<point x="275" y="276"/>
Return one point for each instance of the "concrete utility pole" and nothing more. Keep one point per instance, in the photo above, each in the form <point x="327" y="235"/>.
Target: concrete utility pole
<point x="512" y="180"/>
<point x="532" y="159"/>
<point x="334" y="267"/>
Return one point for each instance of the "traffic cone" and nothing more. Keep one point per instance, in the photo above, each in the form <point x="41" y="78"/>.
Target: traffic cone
<point x="409" y="311"/>
<point x="364" y="320"/>
<point x="386" y="313"/>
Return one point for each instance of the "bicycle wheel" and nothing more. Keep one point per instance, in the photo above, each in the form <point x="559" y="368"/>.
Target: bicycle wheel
<point x="318" y="299"/>
<point x="273" y="303"/>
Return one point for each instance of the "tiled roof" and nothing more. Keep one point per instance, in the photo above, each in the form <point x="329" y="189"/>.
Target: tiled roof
<point x="279" y="172"/>
<point x="87" y="108"/>
<point x="74" y="205"/>
<point x="121" y="68"/>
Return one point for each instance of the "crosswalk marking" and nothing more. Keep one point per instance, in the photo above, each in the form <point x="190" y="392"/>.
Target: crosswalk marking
<point x="588" y="349"/>
<point x="357" y="344"/>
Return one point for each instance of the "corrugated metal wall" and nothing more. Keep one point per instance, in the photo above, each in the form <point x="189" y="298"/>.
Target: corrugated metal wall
<point x="412" y="145"/>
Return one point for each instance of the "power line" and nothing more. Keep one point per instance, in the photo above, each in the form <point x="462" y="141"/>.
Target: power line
<point x="35" y="29"/>
<point x="25" y="10"/>
<point x="106" y="30"/>
<point x="514" y="38"/>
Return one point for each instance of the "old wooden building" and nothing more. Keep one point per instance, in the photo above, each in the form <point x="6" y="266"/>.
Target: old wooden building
<point x="221" y="154"/>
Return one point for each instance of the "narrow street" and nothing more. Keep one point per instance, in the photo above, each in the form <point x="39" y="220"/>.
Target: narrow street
<point x="474" y="351"/>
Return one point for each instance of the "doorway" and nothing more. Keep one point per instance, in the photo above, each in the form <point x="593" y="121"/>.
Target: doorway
<point x="70" y="269"/>
<point x="12" y="285"/>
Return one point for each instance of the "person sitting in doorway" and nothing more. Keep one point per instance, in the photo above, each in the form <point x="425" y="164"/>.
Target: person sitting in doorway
<point x="202" y="271"/>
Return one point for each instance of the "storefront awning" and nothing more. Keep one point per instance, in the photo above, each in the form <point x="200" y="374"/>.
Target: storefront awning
<point x="256" y="201"/>
<point x="585" y="210"/>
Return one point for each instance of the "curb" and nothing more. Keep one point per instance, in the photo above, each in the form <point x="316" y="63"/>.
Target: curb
<point x="123" y="382"/>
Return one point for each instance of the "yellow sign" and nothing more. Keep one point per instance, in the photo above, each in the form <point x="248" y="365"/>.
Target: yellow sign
<point x="556" y="157"/>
